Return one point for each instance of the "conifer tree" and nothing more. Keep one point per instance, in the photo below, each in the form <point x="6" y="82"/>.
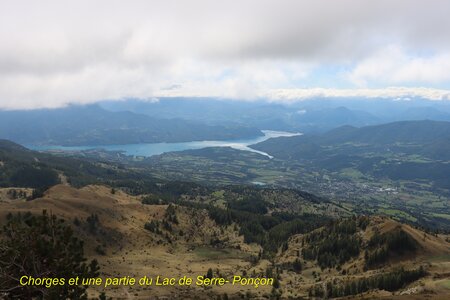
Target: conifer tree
<point x="41" y="247"/>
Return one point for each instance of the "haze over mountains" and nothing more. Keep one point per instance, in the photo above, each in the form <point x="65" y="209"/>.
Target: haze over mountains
<point x="93" y="125"/>
<point x="313" y="115"/>
<point x="195" y="119"/>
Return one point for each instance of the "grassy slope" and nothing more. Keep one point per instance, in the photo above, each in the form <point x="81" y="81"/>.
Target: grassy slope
<point x="132" y="250"/>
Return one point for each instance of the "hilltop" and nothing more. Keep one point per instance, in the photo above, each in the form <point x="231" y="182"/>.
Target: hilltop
<point x="352" y="256"/>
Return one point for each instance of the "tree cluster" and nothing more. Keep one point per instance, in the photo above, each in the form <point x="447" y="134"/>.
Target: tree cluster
<point x="391" y="281"/>
<point x="335" y="244"/>
<point x="381" y="246"/>
<point x="41" y="246"/>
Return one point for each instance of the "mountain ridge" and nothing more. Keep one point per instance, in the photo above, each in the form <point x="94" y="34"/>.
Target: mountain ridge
<point x="424" y="132"/>
<point x="93" y="125"/>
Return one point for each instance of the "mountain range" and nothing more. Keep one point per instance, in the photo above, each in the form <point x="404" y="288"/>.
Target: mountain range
<point x="311" y="115"/>
<point x="93" y="125"/>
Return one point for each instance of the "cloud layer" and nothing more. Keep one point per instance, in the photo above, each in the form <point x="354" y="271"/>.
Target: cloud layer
<point x="58" y="52"/>
<point x="395" y="93"/>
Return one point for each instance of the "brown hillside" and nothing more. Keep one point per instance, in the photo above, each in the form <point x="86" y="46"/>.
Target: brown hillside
<point x="131" y="250"/>
<point x="195" y="243"/>
<point x="428" y="244"/>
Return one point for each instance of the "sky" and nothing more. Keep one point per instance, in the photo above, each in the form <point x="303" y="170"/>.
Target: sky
<point x="53" y="53"/>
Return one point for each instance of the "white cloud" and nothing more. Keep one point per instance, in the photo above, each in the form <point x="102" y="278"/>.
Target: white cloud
<point x="392" y="65"/>
<point x="56" y="52"/>
<point x="398" y="93"/>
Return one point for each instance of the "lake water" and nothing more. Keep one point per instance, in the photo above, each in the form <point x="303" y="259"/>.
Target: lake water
<point x="151" y="149"/>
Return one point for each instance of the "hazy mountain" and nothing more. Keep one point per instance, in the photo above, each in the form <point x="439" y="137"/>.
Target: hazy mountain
<point x="93" y="125"/>
<point x="423" y="113"/>
<point x="264" y="115"/>
<point x="328" y="118"/>
<point x="423" y="133"/>
<point x="314" y="115"/>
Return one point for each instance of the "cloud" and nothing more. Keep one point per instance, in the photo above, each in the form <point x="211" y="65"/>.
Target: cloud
<point x="392" y="65"/>
<point x="57" y="52"/>
<point x="396" y="93"/>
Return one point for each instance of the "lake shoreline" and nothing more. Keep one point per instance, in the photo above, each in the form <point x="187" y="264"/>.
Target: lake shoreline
<point x="151" y="149"/>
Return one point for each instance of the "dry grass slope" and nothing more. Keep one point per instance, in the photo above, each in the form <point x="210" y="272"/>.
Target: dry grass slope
<point x="186" y="249"/>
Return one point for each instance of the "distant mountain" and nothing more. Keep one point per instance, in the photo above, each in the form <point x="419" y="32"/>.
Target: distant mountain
<point x="392" y="133"/>
<point x="263" y="115"/>
<point x="423" y="113"/>
<point x="308" y="116"/>
<point x="325" y="119"/>
<point x="260" y="114"/>
<point x="93" y="125"/>
<point x="414" y="133"/>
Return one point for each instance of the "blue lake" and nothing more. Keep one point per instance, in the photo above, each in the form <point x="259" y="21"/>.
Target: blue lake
<point x="151" y="149"/>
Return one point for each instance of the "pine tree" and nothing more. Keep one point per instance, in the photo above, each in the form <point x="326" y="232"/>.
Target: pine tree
<point x="209" y="274"/>
<point x="297" y="265"/>
<point x="93" y="222"/>
<point x="42" y="246"/>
